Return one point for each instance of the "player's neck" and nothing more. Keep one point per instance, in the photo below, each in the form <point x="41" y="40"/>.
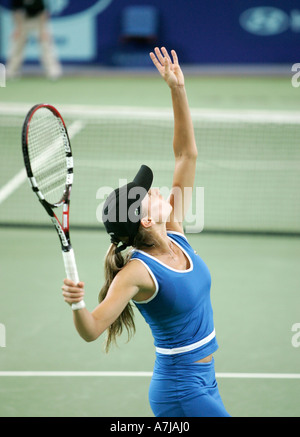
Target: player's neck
<point x="162" y="243"/>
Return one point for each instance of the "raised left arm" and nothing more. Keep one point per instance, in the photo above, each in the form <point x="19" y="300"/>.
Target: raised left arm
<point x="184" y="144"/>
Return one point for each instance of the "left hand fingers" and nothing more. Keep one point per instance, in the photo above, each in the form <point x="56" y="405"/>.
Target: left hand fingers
<point x="175" y="58"/>
<point x="166" y="54"/>
<point x="159" y="55"/>
<point x="156" y="62"/>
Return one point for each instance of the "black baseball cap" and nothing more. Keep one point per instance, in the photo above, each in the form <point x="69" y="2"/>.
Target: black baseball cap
<point x="121" y="214"/>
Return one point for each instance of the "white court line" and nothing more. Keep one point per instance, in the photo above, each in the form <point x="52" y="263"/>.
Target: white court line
<point x="127" y="112"/>
<point x="12" y="185"/>
<point x="259" y="375"/>
<point x="140" y="374"/>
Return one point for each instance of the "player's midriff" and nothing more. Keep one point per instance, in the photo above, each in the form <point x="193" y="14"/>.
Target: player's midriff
<point x="206" y="359"/>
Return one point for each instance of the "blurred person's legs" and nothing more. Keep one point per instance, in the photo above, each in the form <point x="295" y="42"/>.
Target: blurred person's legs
<point x="16" y="51"/>
<point x="38" y="26"/>
<point x="49" y="59"/>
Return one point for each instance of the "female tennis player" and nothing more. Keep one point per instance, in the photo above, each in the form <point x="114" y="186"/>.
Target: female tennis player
<point x="167" y="281"/>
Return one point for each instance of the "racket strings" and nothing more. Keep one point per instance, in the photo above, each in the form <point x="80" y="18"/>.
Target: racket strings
<point x="46" y="148"/>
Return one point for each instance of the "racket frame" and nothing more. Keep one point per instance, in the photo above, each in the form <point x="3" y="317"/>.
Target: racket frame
<point x="63" y="227"/>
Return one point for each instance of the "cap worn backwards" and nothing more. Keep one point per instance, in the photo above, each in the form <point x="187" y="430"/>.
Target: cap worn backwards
<point x="121" y="213"/>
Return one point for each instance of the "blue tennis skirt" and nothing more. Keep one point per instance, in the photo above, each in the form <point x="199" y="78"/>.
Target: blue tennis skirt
<point x="185" y="390"/>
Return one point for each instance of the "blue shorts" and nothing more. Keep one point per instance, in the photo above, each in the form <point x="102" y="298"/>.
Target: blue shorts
<point x="185" y="390"/>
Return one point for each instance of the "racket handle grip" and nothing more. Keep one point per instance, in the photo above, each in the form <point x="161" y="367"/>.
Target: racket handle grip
<point x="70" y="266"/>
<point x="72" y="273"/>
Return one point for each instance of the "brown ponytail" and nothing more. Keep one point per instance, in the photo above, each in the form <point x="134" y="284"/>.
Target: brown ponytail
<point x="114" y="262"/>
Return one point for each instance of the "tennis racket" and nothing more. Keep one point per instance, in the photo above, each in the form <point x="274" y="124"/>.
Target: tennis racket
<point x="49" y="165"/>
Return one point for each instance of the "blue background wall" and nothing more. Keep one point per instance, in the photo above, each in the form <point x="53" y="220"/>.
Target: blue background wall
<point x="211" y="31"/>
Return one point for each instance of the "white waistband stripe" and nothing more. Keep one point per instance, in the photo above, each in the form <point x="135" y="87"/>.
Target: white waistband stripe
<point x="188" y="348"/>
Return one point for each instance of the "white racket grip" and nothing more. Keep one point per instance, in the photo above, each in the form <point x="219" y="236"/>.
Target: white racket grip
<point x="72" y="273"/>
<point x="70" y="266"/>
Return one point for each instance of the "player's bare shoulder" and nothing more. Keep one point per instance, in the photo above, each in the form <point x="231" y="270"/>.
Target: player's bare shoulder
<point x="136" y="272"/>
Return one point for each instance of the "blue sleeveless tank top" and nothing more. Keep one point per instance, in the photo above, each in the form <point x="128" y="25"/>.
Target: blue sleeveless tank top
<point x="179" y="313"/>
